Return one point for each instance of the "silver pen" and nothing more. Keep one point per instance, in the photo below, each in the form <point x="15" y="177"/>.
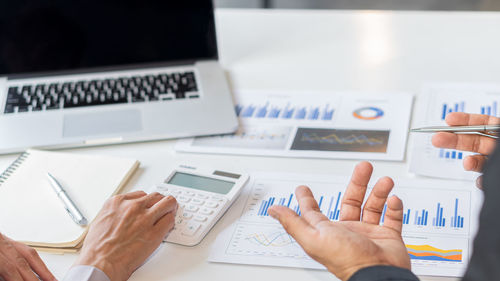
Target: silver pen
<point x="491" y="131"/>
<point x="69" y="205"/>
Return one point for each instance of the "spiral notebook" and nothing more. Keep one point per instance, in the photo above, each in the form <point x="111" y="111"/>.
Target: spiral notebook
<point x="30" y="210"/>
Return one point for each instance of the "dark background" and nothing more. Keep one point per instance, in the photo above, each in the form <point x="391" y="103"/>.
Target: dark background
<point x="44" y="35"/>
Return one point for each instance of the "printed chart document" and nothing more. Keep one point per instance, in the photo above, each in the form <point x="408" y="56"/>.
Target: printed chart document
<point x="435" y="102"/>
<point x="314" y="125"/>
<point x="437" y="227"/>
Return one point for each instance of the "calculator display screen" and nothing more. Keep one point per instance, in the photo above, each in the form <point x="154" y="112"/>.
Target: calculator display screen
<point x="201" y="183"/>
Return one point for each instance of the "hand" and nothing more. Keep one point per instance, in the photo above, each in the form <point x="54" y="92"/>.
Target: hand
<point x="20" y="262"/>
<point x="126" y="231"/>
<point x="473" y="143"/>
<point x="354" y="242"/>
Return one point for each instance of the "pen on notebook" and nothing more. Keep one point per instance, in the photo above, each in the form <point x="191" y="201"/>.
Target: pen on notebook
<point x="69" y="205"/>
<point x="490" y="131"/>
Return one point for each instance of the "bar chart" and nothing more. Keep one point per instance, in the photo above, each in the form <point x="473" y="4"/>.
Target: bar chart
<point x="418" y="219"/>
<point x="453" y="107"/>
<point x="436" y="228"/>
<point x="450" y="154"/>
<point x="436" y="102"/>
<point x="490" y="109"/>
<point x="332" y="212"/>
<point x="457" y="221"/>
<point x="444" y="212"/>
<point x="422" y="218"/>
<point x="288" y="111"/>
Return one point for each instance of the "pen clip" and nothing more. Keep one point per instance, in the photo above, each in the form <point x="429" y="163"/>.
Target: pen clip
<point x="484" y="134"/>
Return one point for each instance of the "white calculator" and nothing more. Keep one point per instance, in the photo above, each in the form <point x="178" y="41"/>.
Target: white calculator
<point x="203" y="195"/>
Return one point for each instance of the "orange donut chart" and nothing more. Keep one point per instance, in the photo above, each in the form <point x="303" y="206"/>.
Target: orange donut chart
<point x="375" y="113"/>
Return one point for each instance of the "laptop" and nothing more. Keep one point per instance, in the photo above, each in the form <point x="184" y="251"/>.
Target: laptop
<point x="94" y="72"/>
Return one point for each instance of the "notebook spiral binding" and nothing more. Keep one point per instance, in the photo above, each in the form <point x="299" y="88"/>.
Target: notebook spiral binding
<point x="13" y="167"/>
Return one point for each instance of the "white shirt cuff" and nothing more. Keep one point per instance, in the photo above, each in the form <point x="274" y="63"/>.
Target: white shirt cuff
<point x="85" y="273"/>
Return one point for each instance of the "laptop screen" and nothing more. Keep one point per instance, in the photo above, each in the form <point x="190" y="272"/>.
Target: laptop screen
<point x="59" y="35"/>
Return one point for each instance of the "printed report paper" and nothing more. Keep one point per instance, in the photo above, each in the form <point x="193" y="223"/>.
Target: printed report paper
<point x="437" y="229"/>
<point x="435" y="102"/>
<point x="314" y="125"/>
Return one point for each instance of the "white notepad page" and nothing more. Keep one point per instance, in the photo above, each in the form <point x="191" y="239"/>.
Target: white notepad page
<point x="30" y="209"/>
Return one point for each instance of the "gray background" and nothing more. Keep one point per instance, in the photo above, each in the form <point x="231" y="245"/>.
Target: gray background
<point x="452" y="5"/>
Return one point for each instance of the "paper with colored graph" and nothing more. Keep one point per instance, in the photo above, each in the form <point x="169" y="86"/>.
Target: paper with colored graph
<point x="320" y="125"/>
<point x="435" y="102"/>
<point x="436" y="229"/>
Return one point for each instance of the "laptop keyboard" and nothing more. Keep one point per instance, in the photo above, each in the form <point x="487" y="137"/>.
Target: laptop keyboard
<point x="133" y="89"/>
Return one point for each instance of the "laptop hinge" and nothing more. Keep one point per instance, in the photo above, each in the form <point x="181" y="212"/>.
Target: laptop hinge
<point x="100" y="69"/>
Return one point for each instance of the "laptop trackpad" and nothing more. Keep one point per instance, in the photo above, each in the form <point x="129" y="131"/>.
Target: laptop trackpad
<point x="102" y="123"/>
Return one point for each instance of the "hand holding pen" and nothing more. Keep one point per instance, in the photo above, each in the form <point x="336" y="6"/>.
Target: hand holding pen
<point x="483" y="143"/>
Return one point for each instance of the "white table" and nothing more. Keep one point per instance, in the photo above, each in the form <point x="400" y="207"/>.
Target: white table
<point x="312" y="50"/>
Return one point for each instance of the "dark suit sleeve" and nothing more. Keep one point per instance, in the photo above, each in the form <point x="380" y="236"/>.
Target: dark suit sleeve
<point x="383" y="273"/>
<point x="485" y="261"/>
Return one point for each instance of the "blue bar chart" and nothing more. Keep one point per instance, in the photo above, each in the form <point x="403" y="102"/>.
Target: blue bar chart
<point x="450" y="154"/>
<point x="456" y="220"/>
<point x="444" y="211"/>
<point x="332" y="211"/>
<point x="275" y="111"/>
<point x="422" y="218"/>
<point x="436" y="225"/>
<point x="406" y="217"/>
<point x="453" y="107"/>
<point x="490" y="109"/>
<point x="438" y="220"/>
<point x="419" y="217"/>
<point x="448" y="209"/>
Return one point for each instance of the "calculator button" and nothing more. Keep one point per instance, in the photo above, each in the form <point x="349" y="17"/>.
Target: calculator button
<point x="197" y="201"/>
<point x="181" y="206"/>
<point x="176" y="192"/>
<point x="201" y="196"/>
<point x="187" y="215"/>
<point x="206" y="211"/>
<point x="200" y="218"/>
<point x="191" y="228"/>
<point x="183" y="199"/>
<point x="212" y="205"/>
<point x="216" y="198"/>
<point x="191" y="208"/>
<point x="188" y="193"/>
<point x="163" y="187"/>
<point x="178" y="220"/>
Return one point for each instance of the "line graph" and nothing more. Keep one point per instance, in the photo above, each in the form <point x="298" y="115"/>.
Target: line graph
<point x="276" y="239"/>
<point x="261" y="137"/>
<point x="336" y="139"/>
<point x="264" y="241"/>
<point x="340" y="140"/>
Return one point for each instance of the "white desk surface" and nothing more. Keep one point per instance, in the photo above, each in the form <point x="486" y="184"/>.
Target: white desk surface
<point x="312" y="50"/>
